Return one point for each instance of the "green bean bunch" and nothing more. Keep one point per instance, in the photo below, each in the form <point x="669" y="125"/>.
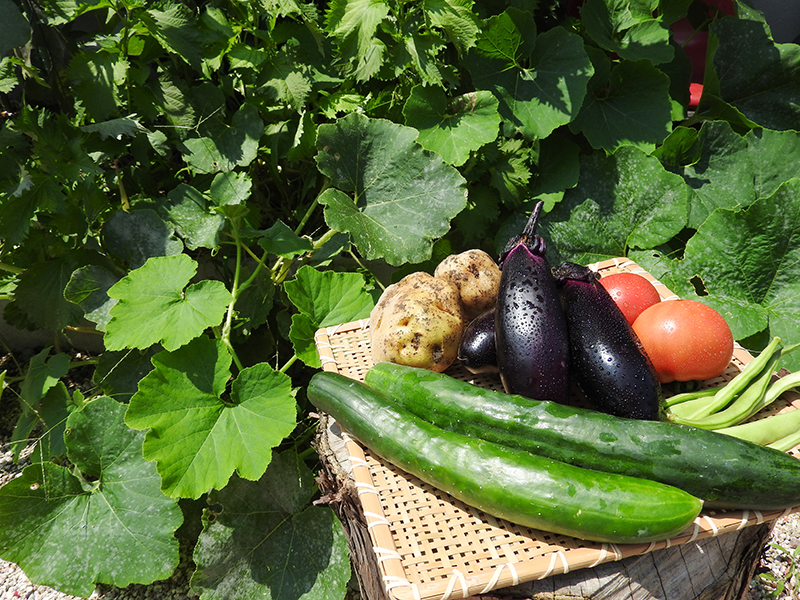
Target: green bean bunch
<point x="726" y="409"/>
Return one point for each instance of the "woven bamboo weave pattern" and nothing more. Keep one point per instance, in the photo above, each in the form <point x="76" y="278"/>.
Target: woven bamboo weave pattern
<point x="431" y="546"/>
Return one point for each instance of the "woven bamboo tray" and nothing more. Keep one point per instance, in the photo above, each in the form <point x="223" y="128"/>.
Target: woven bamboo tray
<point x="430" y="546"/>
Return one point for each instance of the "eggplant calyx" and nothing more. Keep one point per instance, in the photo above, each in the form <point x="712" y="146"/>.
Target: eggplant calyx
<point x="528" y="238"/>
<point x="569" y="271"/>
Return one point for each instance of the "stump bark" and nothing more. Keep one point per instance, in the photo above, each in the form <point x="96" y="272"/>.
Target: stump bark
<point x="712" y="568"/>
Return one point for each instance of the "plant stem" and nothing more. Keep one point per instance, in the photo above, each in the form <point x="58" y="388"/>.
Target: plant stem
<point x="306" y="217"/>
<point x="288" y="364"/>
<point x="11" y="268"/>
<point x="225" y="334"/>
<point x="363" y="266"/>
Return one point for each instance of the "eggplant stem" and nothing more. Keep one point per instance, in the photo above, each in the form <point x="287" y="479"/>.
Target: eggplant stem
<point x="533" y="220"/>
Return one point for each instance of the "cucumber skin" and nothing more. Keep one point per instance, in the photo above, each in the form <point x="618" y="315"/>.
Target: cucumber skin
<point x="725" y="472"/>
<point x="519" y="487"/>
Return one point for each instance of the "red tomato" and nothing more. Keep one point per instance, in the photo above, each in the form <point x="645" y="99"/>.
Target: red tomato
<point x="685" y="340"/>
<point x="631" y="292"/>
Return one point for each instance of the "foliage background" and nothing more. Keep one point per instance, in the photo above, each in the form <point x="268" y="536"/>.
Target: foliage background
<point x="202" y="185"/>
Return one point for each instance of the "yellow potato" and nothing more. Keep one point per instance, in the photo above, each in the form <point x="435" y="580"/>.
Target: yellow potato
<point x="417" y="322"/>
<point x="477" y="277"/>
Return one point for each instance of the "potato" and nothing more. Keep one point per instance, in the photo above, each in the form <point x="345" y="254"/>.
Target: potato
<point x="417" y="322"/>
<point x="477" y="276"/>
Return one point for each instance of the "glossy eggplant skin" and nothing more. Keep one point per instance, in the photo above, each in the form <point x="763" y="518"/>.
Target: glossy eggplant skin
<point x="531" y="336"/>
<point x="607" y="359"/>
<point x="477" y="350"/>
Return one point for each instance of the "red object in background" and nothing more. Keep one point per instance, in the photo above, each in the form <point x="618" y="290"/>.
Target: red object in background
<point x="695" y="43"/>
<point x="695" y="91"/>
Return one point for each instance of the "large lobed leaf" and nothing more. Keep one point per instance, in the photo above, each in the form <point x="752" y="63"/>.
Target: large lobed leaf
<point x="403" y="196"/>
<point x="156" y="294"/>
<point x="263" y="541"/>
<point x="199" y="434"/>
<point x="627" y="104"/>
<point x="748" y="262"/>
<point x="452" y="127"/>
<point x="110" y="524"/>
<point x="323" y="298"/>
<point x="728" y="170"/>
<point x="622" y="201"/>
<point x="539" y="80"/>
<point x="753" y="76"/>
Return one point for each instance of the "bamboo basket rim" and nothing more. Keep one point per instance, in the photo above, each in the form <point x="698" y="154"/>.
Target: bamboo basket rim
<point x="430" y="546"/>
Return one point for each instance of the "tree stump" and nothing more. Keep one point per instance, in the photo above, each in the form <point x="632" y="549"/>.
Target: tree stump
<point x="719" y="567"/>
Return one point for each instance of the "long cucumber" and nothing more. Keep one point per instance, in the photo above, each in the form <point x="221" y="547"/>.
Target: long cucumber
<point x="510" y="484"/>
<point x="724" y="471"/>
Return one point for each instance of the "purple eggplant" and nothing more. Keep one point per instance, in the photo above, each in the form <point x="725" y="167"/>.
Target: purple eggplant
<point x="531" y="336"/>
<point x="607" y="358"/>
<point x="477" y="351"/>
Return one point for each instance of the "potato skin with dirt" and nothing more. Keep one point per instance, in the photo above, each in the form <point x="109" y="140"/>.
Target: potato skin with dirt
<point x="477" y="276"/>
<point x="417" y="322"/>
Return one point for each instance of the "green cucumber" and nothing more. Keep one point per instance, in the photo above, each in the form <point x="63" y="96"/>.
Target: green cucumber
<point x="510" y="484"/>
<point x="724" y="471"/>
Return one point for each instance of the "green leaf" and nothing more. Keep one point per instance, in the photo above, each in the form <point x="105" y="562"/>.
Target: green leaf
<point x="189" y="210"/>
<point x="508" y="37"/>
<point x="286" y="81"/>
<point x="727" y="170"/>
<point x="750" y="73"/>
<point x="457" y="20"/>
<point x="236" y="145"/>
<point x="424" y="50"/>
<point x="539" y="89"/>
<point x="452" y="128"/>
<point x="17" y="208"/>
<point x="111" y="524"/>
<point x="175" y="28"/>
<point x="198" y="434"/>
<point x="88" y="288"/>
<point x="329" y="297"/>
<point x="15" y="30"/>
<point x="8" y="75"/>
<point x="263" y="540"/>
<point x="632" y="107"/>
<point x="118" y="373"/>
<point x="404" y="196"/>
<point x="54" y="409"/>
<point x="128" y="126"/>
<point x="281" y="240"/>
<point x="231" y="188"/>
<point x="40" y="293"/>
<point x="43" y="373"/>
<point x="302" y="335"/>
<point x="748" y="260"/>
<point x="510" y="168"/>
<point x="95" y="81"/>
<point x="42" y="376"/>
<point x="628" y="28"/>
<point x="622" y="201"/>
<point x="136" y="235"/>
<point x="354" y="23"/>
<point x="324" y="298"/>
<point x="157" y="294"/>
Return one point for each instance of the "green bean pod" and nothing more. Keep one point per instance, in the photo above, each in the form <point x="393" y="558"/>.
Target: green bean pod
<point x="728" y="393"/>
<point x="768" y="430"/>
